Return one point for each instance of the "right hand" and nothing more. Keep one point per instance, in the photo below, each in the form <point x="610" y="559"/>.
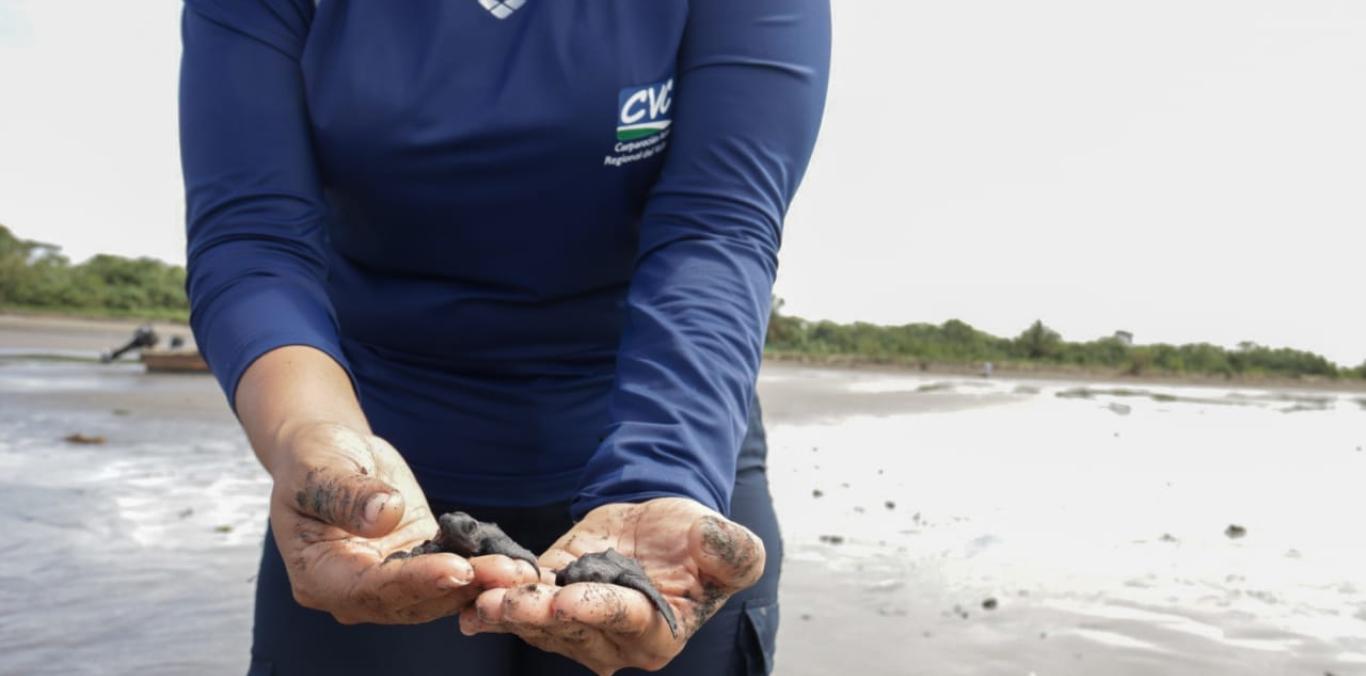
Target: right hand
<point x="343" y="502"/>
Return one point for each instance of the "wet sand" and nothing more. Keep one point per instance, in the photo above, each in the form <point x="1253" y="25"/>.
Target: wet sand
<point x="1094" y="515"/>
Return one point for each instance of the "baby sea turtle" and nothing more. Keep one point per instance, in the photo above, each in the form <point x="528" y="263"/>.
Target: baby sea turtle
<point x="610" y="567"/>
<point x="463" y="535"/>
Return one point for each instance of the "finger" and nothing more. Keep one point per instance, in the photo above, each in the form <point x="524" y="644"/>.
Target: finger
<point x="610" y="608"/>
<point x="470" y="625"/>
<point x="441" y="571"/>
<point x="727" y="554"/>
<point x="375" y="592"/>
<point x="344" y="497"/>
<point x="556" y="559"/>
<point x="427" y="611"/>
<point x="529" y="606"/>
<point x="496" y="570"/>
<point x="489" y="606"/>
<point x="553" y="561"/>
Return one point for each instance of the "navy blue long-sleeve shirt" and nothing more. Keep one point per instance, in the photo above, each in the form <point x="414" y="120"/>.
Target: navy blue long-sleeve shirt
<point x="540" y="236"/>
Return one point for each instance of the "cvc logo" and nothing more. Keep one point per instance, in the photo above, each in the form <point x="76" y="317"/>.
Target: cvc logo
<point x="643" y="110"/>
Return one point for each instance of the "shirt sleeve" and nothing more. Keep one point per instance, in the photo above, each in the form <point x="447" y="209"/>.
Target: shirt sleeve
<point x="254" y="209"/>
<point x="751" y="88"/>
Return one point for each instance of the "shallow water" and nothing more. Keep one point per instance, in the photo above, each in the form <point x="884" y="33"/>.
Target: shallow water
<point x="1096" y="520"/>
<point x="131" y="556"/>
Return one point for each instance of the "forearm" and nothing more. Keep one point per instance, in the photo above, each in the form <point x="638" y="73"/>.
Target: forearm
<point x="290" y="388"/>
<point x="751" y="86"/>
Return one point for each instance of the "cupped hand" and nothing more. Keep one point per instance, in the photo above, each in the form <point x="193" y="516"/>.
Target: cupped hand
<point x="696" y="558"/>
<point x="343" y="502"/>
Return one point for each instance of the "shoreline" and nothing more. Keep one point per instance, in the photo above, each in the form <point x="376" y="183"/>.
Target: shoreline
<point x="36" y="321"/>
<point x="63" y="333"/>
<point x="70" y="337"/>
<point x="1018" y="371"/>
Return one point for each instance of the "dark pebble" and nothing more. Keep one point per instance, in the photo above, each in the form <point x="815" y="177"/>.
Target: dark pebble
<point x="989" y="604"/>
<point x="833" y="539"/>
<point x="88" y="439"/>
<point x="1234" y="531"/>
<point x="889" y="504"/>
<point x="816" y="492"/>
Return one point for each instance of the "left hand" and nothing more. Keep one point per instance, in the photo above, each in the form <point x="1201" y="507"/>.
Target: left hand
<point x="696" y="558"/>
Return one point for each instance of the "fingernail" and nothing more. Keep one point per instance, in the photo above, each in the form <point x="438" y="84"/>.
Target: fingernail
<point x="463" y="571"/>
<point x="451" y="582"/>
<point x="374" y="505"/>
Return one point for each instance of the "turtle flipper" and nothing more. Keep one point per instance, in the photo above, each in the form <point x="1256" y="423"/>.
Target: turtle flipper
<point x="496" y="542"/>
<point x="427" y="547"/>
<point x="641" y="583"/>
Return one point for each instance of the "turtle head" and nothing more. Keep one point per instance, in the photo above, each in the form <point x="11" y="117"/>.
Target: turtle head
<point x="461" y="533"/>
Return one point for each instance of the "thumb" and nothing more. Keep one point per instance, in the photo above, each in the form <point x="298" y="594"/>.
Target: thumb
<point x="728" y="553"/>
<point x="344" y="497"/>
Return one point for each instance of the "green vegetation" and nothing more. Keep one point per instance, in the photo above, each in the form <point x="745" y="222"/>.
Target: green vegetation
<point x="36" y="277"/>
<point x="1038" y="347"/>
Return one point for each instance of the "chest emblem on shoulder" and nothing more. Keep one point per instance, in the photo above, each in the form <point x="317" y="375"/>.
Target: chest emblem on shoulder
<point x="502" y="8"/>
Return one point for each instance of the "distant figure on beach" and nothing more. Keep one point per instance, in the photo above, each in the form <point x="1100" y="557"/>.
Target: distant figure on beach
<point x="987" y="368"/>
<point x="512" y="258"/>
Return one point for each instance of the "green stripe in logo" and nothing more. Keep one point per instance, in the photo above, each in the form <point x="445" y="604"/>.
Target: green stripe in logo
<point x="633" y="132"/>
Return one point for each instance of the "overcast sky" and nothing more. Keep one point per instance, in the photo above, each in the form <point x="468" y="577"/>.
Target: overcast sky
<point x="1183" y="169"/>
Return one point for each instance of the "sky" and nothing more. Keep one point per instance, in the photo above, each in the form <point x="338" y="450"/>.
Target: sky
<point x="1187" y="170"/>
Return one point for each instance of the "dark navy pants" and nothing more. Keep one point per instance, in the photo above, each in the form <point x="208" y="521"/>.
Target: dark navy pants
<point x="289" y="639"/>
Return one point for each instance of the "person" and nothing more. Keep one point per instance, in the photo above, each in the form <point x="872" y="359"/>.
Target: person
<point x="513" y="258"/>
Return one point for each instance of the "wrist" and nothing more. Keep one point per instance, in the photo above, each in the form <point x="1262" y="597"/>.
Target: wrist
<point x="289" y="393"/>
<point x="288" y="440"/>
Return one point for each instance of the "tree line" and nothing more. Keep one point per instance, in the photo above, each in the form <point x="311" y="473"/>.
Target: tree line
<point x="37" y="276"/>
<point x="957" y="343"/>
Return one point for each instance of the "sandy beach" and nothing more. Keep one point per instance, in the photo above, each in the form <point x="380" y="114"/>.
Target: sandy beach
<point x="55" y="335"/>
<point x="934" y="523"/>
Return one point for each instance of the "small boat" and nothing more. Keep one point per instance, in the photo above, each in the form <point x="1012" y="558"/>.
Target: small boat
<point x="174" y="361"/>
